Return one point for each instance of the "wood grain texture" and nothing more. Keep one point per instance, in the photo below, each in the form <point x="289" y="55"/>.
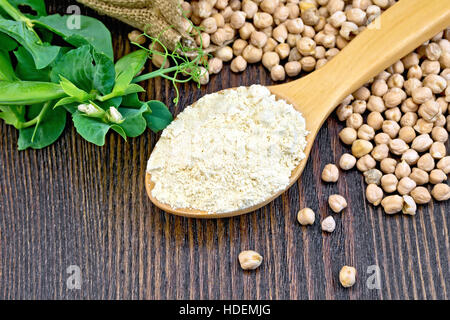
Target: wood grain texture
<point x="76" y="204"/>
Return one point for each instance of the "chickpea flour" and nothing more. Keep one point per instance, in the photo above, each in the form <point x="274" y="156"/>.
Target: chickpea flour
<point x="232" y="150"/>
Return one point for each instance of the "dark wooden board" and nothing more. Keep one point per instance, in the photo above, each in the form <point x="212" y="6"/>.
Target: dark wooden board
<point x="77" y="204"/>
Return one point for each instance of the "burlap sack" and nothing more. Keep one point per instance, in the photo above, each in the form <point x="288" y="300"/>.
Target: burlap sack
<point x="158" y="18"/>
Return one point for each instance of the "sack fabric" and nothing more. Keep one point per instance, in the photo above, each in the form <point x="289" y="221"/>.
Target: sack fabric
<point x="158" y="18"/>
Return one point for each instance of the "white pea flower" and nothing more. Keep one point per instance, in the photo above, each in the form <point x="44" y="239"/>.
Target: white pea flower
<point x="114" y="115"/>
<point x="89" y="109"/>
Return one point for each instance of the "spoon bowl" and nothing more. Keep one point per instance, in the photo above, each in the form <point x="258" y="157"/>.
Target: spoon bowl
<point x="400" y="30"/>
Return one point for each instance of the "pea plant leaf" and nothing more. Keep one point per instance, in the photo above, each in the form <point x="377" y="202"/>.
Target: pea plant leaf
<point x="131" y="100"/>
<point x="104" y="73"/>
<point x="26" y="69"/>
<point x="76" y="66"/>
<point x="93" y="130"/>
<point x="43" y="54"/>
<point x="159" y="117"/>
<point x="44" y="133"/>
<point x="31" y="92"/>
<point x="90" y="32"/>
<point x="6" y="69"/>
<point x="8" y="44"/>
<point x="135" y="123"/>
<point x="13" y="116"/>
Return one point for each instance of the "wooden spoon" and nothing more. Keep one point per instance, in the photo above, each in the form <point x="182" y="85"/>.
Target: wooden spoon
<point x="400" y="30"/>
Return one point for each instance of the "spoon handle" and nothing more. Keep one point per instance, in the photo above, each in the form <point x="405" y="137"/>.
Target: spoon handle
<point x="394" y="34"/>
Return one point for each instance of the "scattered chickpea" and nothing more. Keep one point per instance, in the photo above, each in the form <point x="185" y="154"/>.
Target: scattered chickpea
<point x="238" y="64"/>
<point x="328" y="224"/>
<point x="361" y="147"/>
<point x="137" y="36"/>
<point x="337" y="203"/>
<point x="392" y="204"/>
<point x="330" y="173"/>
<point x="250" y="260"/>
<point x="426" y="162"/>
<point x="306" y="217"/>
<point x="409" y="205"/>
<point x="444" y="164"/>
<point x="389" y="183"/>
<point x="421" y="195"/>
<point x="374" y="194"/>
<point x="437" y="176"/>
<point x="441" y="192"/>
<point x="405" y="185"/>
<point x="373" y="176"/>
<point x="277" y="73"/>
<point x="347" y="276"/>
<point x="347" y="161"/>
<point x="402" y="170"/>
<point x="215" y="65"/>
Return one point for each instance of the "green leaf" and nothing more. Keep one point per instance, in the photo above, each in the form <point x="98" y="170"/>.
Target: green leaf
<point x="6" y="69"/>
<point x="119" y="130"/>
<point x="13" y="116"/>
<point x="93" y="130"/>
<point x="29" y="92"/>
<point x="66" y="101"/>
<point x="91" y="31"/>
<point x="135" y="123"/>
<point x="26" y="69"/>
<point x="159" y="118"/>
<point x="71" y="90"/>
<point x="7" y="42"/>
<point x="77" y="67"/>
<point x="43" y="54"/>
<point x="46" y="132"/>
<point x="132" y="100"/>
<point x="104" y="73"/>
<point x="133" y="88"/>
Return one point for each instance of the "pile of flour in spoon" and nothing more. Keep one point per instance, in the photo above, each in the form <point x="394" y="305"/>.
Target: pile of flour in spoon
<point x="231" y="150"/>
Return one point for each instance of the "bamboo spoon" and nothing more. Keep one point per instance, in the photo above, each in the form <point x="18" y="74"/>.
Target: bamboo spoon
<point x="400" y="30"/>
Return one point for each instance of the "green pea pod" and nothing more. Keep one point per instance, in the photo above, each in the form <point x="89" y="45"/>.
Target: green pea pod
<point x="20" y="93"/>
<point x="6" y="69"/>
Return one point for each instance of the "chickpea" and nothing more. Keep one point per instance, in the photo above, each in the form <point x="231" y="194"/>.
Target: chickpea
<point x="347" y="276"/>
<point x="283" y="50"/>
<point x="137" y="36"/>
<point x="391" y="128"/>
<point x="270" y="45"/>
<point x="407" y="134"/>
<point x="438" y="150"/>
<point x="219" y="37"/>
<point x="392" y="204"/>
<point x="437" y="176"/>
<point x="355" y="121"/>
<point x="422" y="126"/>
<point x="238" y="64"/>
<point x="250" y="8"/>
<point x="382" y="138"/>
<point x="444" y="164"/>
<point x="366" y="163"/>
<point x="239" y="46"/>
<point x="389" y="183"/>
<point x="294" y="10"/>
<point x="421" y="195"/>
<point x="422" y="143"/>
<point x="293" y="68"/>
<point x="250" y="260"/>
<point x="328" y="224"/>
<point x="310" y="16"/>
<point x="430" y="110"/>
<point x="344" y="112"/>
<point x="220" y="21"/>
<point x="330" y="173"/>
<point x="394" y="97"/>
<point x="373" y="176"/>
<point x="306" y="46"/>
<point x="258" y="39"/>
<point x="410" y="60"/>
<point x="337" y="203"/>
<point x="419" y="176"/>
<point x="215" y="65"/>
<point x="436" y="83"/>
<point x="388" y="165"/>
<point x="281" y="14"/>
<point x="380" y="152"/>
<point x="277" y="73"/>
<point x="295" y="26"/>
<point x="426" y="162"/>
<point x="270" y="59"/>
<point x="409" y="119"/>
<point x="374" y="194"/>
<point x="246" y="31"/>
<point x="393" y="114"/>
<point x="252" y="54"/>
<point x="410" y="156"/>
<point x="362" y="94"/>
<point x="441" y="192"/>
<point x="405" y="185"/>
<point x="347" y="161"/>
<point x="421" y="95"/>
<point x="398" y="146"/>
<point x="203" y="40"/>
<point x="375" y="120"/>
<point x="409" y="106"/>
<point x="306" y="217"/>
<point x="280" y="33"/>
<point x="430" y="67"/>
<point x="202" y="9"/>
<point x="409" y="205"/>
<point x="379" y="88"/>
<point x="366" y="132"/>
<point x="361" y="147"/>
<point x="237" y="19"/>
<point x="224" y="53"/>
<point x="209" y="25"/>
<point x="262" y="20"/>
<point x="402" y="170"/>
